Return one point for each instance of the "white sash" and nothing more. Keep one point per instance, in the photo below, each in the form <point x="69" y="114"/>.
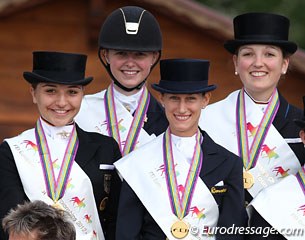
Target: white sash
<point x="147" y="161"/>
<point x="276" y="161"/>
<point x="78" y="199"/>
<point x="283" y="206"/>
<point x="92" y="118"/>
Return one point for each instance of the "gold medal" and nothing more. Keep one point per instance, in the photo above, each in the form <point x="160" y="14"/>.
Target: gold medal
<point x="57" y="205"/>
<point x="248" y="180"/>
<point x="180" y="229"/>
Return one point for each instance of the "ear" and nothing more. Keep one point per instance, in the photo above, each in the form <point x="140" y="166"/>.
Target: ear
<point x="32" y="91"/>
<point x="235" y="62"/>
<point x="206" y="99"/>
<point x="285" y="65"/>
<point x="105" y="55"/>
<point x="155" y="57"/>
<point x="161" y="98"/>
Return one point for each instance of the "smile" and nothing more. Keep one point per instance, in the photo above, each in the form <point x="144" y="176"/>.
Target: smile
<point x="258" y="74"/>
<point x="182" y="117"/>
<point x="129" y="72"/>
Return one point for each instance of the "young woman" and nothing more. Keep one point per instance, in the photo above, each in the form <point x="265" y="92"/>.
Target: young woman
<point x="256" y="122"/>
<point x="56" y="161"/>
<point x="130" y="46"/>
<point x="181" y="185"/>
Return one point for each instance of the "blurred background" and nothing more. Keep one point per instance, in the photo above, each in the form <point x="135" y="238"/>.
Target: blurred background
<point x="191" y="29"/>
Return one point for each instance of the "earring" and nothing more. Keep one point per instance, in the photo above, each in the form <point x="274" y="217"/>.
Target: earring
<point x="284" y="72"/>
<point x="236" y="73"/>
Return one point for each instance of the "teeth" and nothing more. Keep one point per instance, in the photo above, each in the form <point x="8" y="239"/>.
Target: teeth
<point x="60" y="111"/>
<point x="130" y="72"/>
<point x="258" y="74"/>
<point x="182" y="117"/>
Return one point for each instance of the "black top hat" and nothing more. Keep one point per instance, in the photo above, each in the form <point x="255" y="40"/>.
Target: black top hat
<point x="58" y="67"/>
<point x="261" y="28"/>
<point x="184" y="76"/>
<point x="301" y="122"/>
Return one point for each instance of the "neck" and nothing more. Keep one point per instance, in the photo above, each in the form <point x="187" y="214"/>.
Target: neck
<point x="120" y="90"/>
<point x="261" y="98"/>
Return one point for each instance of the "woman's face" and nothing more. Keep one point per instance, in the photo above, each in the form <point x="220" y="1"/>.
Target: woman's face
<point x="130" y="68"/>
<point x="58" y="104"/>
<point x="260" y="68"/>
<point x="183" y="111"/>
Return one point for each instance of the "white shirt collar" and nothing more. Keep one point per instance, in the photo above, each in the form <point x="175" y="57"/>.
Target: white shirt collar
<point x="185" y="145"/>
<point x="130" y="102"/>
<point x="56" y="132"/>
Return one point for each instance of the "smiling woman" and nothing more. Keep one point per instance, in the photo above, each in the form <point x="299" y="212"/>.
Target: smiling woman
<point x="57" y="104"/>
<point x="261" y="129"/>
<point x="57" y="162"/>
<point x="193" y="182"/>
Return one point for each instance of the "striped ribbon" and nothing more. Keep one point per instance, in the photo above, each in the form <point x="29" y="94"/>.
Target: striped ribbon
<point x="250" y="157"/>
<point x="55" y="188"/>
<point x="136" y="125"/>
<point x="300" y="175"/>
<point x="180" y="206"/>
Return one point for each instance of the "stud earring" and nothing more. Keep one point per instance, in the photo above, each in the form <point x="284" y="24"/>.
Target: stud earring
<point x="236" y="73"/>
<point x="284" y="72"/>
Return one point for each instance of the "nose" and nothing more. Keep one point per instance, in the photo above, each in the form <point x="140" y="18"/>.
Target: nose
<point x="258" y="61"/>
<point x="130" y="60"/>
<point x="182" y="107"/>
<point x="61" y="100"/>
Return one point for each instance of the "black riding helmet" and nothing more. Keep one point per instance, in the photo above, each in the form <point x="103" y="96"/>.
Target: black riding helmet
<point x="130" y="28"/>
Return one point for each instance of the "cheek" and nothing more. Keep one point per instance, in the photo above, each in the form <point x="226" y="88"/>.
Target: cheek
<point x="145" y="64"/>
<point x="242" y="65"/>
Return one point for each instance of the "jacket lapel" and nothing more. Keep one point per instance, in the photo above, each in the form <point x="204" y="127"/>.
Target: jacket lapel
<point x="280" y="119"/>
<point x="86" y="148"/>
<point x="211" y="158"/>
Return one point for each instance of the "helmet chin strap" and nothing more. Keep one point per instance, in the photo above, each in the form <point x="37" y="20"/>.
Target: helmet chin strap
<point x="116" y="82"/>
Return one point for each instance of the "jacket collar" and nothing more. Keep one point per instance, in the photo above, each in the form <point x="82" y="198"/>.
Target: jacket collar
<point x="211" y="156"/>
<point x="280" y="119"/>
<point x="86" y="149"/>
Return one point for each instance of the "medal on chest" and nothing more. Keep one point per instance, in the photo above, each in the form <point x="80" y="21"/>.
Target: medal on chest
<point x="251" y="153"/>
<point x="180" y="205"/>
<point x="55" y="187"/>
<point x="136" y="125"/>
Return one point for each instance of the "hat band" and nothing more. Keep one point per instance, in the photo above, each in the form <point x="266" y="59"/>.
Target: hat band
<point x="183" y="85"/>
<point x="60" y="75"/>
<point x="264" y="37"/>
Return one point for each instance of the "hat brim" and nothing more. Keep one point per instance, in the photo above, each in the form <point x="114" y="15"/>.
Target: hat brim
<point x="233" y="45"/>
<point x="175" y="89"/>
<point x="36" y="78"/>
<point x="300" y="123"/>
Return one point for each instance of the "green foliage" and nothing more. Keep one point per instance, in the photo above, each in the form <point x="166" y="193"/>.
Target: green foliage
<point x="293" y="9"/>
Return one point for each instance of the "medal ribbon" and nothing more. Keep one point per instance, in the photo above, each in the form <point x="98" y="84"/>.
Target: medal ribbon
<point x="137" y="122"/>
<point x="180" y="206"/>
<point x="250" y="156"/>
<point x="55" y="188"/>
<point x="300" y="175"/>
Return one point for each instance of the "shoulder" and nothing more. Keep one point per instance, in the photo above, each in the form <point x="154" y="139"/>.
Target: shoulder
<point x="93" y="136"/>
<point x="97" y="95"/>
<point x="288" y="110"/>
<point x="213" y="148"/>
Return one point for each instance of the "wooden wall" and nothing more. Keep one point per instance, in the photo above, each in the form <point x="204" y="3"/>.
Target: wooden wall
<point x="62" y="25"/>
